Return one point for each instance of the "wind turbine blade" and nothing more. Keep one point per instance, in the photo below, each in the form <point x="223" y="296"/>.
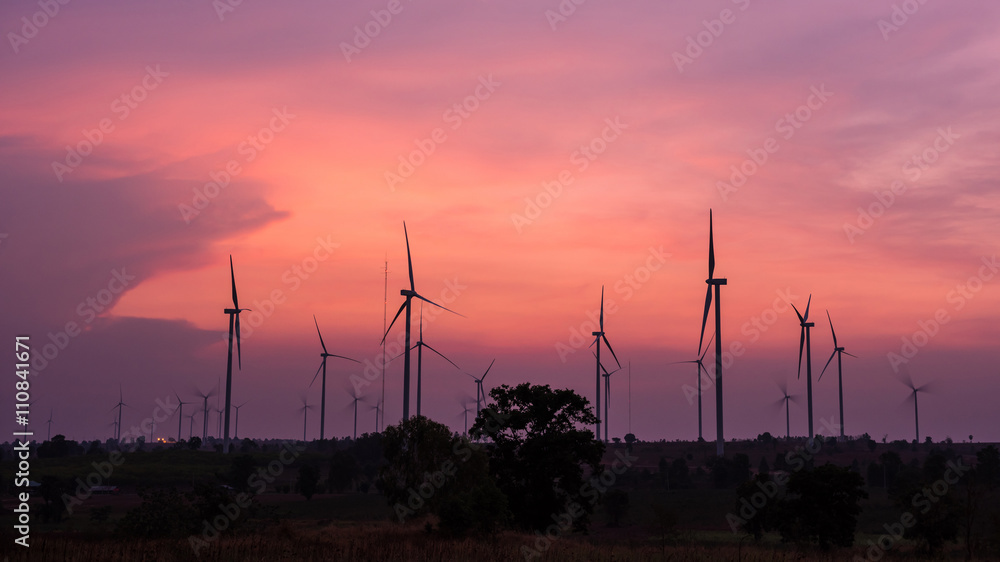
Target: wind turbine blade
<point x="832" y="355"/>
<point x="440" y="354"/>
<point x="607" y="343"/>
<point x="232" y="276"/>
<point x="394" y="318"/>
<point x="409" y="261"/>
<point x="704" y="318"/>
<point x="436" y="304"/>
<point x="802" y="344"/>
<point x="602" y="309"/>
<point x="801" y="319"/>
<point x="342" y="357"/>
<point x="239" y="352"/>
<point x="851" y="354"/>
<point x="679" y="362"/>
<point x="707" y="347"/>
<point x="808" y="302"/>
<point x="319" y="333"/>
<point x="832" y="331"/>
<point x="317" y="372"/>
<point x="487" y="371"/>
<point x="711" y="247"/>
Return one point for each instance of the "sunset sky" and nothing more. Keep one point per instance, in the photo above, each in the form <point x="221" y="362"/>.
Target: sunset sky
<point x="537" y="151"/>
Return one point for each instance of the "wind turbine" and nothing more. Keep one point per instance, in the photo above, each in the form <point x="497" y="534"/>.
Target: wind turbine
<point x="234" y="326"/>
<point x="806" y="342"/>
<point x="607" y="398"/>
<point x="180" y="414"/>
<point x="48" y="435"/>
<point x="322" y="367"/>
<point x="236" y="430"/>
<point x="914" y="391"/>
<point x="700" y="362"/>
<point x="419" y="346"/>
<point x="480" y="393"/>
<point x="355" y="398"/>
<point x="190" y="426"/>
<point x="305" y="412"/>
<point x="839" y="352"/>
<point x="119" y="405"/>
<point x="205" y="396"/>
<point x="465" y="411"/>
<point x="785" y="399"/>
<point x="378" y="410"/>
<point x="410" y="294"/>
<point x="717" y="283"/>
<point x="598" y="336"/>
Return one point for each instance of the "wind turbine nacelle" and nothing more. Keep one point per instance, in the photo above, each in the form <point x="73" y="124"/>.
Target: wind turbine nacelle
<point x="597" y="334"/>
<point x="722" y="281"/>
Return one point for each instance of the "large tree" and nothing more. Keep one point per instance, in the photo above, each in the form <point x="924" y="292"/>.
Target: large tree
<point x="430" y="470"/>
<point x="541" y="452"/>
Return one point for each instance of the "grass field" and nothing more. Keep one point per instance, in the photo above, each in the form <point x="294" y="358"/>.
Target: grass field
<point x="357" y="526"/>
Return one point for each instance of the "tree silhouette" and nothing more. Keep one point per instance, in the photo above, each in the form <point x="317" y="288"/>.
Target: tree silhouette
<point x="540" y="455"/>
<point x="822" y="506"/>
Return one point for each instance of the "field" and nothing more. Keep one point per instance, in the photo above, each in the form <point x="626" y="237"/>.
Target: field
<point x="359" y="526"/>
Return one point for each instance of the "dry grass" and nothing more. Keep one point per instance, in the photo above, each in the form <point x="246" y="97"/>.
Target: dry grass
<point x="384" y="541"/>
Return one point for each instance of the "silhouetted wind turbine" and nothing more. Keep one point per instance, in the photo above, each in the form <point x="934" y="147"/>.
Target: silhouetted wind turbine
<point x="410" y="294"/>
<point x="236" y="430"/>
<point x="914" y="391"/>
<point x="419" y="346"/>
<point x="322" y="367"/>
<point x="607" y="398"/>
<point x="355" y="398"/>
<point x="598" y="336"/>
<point x="785" y="399"/>
<point x="378" y="410"/>
<point x="180" y="414"/>
<point x="465" y="412"/>
<point x="480" y="393"/>
<point x="205" y="396"/>
<point x="234" y="326"/>
<point x="48" y="435"/>
<point x="838" y="351"/>
<point x="119" y="405"/>
<point x="717" y="283"/>
<point x="305" y="412"/>
<point x="190" y="427"/>
<point x="806" y="343"/>
<point x="700" y="362"/>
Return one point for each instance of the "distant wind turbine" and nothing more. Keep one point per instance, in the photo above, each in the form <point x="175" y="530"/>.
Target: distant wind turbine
<point x="322" y="368"/>
<point x="838" y="352"/>
<point x="785" y="399"/>
<point x="378" y="411"/>
<point x="305" y="411"/>
<point x="119" y="405"/>
<point x="700" y="362"/>
<point x="180" y="414"/>
<point x="465" y="412"/>
<point x="598" y="336"/>
<point x="914" y="390"/>
<point x="806" y="343"/>
<point x="48" y="436"/>
<point x="236" y="430"/>
<point x="419" y="346"/>
<point x="190" y="426"/>
<point x="410" y="294"/>
<point x="355" y="398"/>
<point x="717" y="283"/>
<point x="205" y="396"/>
<point x="234" y="327"/>
<point x="480" y="393"/>
<point x="607" y="399"/>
